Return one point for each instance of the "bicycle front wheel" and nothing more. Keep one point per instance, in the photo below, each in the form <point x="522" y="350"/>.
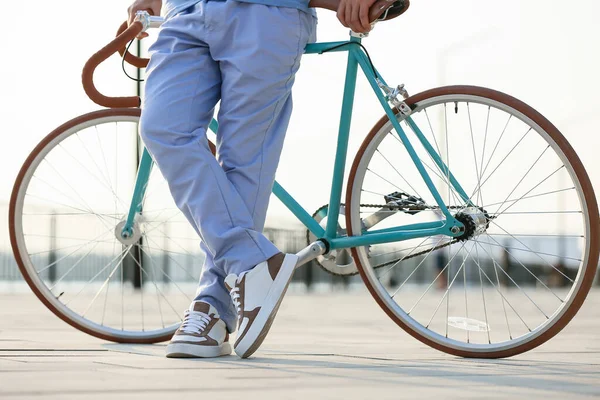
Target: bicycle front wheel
<point x="68" y="204"/>
<point x="529" y="252"/>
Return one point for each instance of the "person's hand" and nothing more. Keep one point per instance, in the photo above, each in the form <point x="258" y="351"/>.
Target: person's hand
<point x="152" y="6"/>
<point x="354" y="14"/>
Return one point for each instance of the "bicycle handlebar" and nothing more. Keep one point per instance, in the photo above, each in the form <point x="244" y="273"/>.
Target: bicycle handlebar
<point x="384" y="9"/>
<point x="87" y="75"/>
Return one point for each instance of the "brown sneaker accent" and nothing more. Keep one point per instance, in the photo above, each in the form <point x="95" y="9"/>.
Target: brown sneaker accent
<point x="202" y="307"/>
<point x="251" y="315"/>
<point x="208" y="342"/>
<point x="274" y="264"/>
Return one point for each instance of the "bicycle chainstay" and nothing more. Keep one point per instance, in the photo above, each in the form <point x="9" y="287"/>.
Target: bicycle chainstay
<point x="403" y="209"/>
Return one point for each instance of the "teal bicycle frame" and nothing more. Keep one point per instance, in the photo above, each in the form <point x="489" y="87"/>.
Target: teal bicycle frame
<point x="356" y="58"/>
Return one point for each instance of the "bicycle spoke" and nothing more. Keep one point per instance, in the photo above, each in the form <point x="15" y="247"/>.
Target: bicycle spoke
<point x="530" y="190"/>
<point x="523" y="177"/>
<point x="399" y="174"/>
<point x="482" y="292"/>
<point x="52" y="214"/>
<point x="91" y="157"/>
<point x="446" y="292"/>
<point x="161" y="292"/>
<point x="93" y="175"/>
<point x="504" y="299"/>
<point x="71" y="253"/>
<point x="403" y="250"/>
<point x="168" y="277"/>
<point x="496" y="146"/>
<point x="85" y="204"/>
<point x="479" y="187"/>
<point x="153" y="270"/>
<point x="537" y="253"/>
<point x="521" y="290"/>
<point x="436" y="278"/>
<point x="141" y="286"/>
<point x="399" y="261"/>
<point x="474" y="155"/>
<point x="51" y="288"/>
<point x="123" y="254"/>
<point x="172" y="259"/>
<point x="531" y="197"/>
<point x="382" y="178"/>
<point x="487" y="125"/>
<point x="445" y="178"/>
<point x="37" y="253"/>
<point x="103" y="156"/>
<point x="426" y="165"/>
<point x="104" y="284"/>
<point x="416" y="268"/>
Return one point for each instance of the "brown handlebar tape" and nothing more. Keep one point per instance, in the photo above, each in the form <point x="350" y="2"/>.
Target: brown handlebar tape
<point x="138" y="62"/>
<point x="108" y="50"/>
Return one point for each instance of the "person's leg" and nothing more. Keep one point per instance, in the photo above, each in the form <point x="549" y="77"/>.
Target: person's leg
<point x="255" y="110"/>
<point x="258" y="48"/>
<point x="182" y="89"/>
<point x="258" y="56"/>
<point x="212" y="290"/>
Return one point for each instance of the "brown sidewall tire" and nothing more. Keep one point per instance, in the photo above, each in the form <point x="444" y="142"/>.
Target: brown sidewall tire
<point x="588" y="193"/>
<point x="12" y="218"/>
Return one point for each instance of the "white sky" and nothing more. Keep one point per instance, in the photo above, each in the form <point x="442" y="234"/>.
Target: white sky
<point x="544" y="52"/>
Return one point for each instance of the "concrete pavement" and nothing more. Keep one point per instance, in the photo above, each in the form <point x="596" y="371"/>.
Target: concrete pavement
<point x="322" y="346"/>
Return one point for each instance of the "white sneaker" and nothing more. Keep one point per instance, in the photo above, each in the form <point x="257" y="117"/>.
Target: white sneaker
<point x="257" y="295"/>
<point x="201" y="334"/>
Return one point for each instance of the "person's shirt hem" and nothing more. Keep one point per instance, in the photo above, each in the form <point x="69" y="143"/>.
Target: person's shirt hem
<point x="171" y="10"/>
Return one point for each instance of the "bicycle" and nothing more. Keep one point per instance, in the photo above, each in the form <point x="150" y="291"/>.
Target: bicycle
<point x="514" y="170"/>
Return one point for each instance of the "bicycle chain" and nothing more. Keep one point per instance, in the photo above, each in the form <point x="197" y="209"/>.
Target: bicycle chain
<point x="391" y="207"/>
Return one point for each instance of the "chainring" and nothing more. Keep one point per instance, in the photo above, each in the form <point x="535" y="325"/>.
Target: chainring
<point x="336" y="262"/>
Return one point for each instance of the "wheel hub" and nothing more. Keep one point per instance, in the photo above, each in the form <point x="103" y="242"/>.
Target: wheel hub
<point x="128" y="238"/>
<point x="476" y="221"/>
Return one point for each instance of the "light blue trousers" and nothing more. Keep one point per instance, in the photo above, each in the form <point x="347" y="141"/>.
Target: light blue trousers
<point x="245" y="55"/>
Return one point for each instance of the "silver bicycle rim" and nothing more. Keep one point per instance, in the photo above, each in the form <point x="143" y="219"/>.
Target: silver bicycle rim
<point x="384" y="294"/>
<point x="156" y="292"/>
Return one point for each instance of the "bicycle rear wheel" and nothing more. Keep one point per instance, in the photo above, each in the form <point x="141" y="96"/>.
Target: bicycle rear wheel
<point x="529" y="254"/>
<point x="69" y="198"/>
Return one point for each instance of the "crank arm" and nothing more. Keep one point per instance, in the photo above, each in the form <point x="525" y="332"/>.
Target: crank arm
<point x="311" y="252"/>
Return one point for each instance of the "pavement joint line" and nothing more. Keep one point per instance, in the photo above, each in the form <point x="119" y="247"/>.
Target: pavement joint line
<point x="117" y="365"/>
<point x="47" y="355"/>
<point x="171" y="367"/>
<point x="54" y="350"/>
<point x="352" y="356"/>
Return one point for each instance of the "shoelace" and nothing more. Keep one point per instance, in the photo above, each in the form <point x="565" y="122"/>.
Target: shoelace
<point x="235" y="297"/>
<point x="194" y="322"/>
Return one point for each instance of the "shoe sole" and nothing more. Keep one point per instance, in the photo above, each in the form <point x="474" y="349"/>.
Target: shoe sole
<point x="187" y="350"/>
<point x="258" y="330"/>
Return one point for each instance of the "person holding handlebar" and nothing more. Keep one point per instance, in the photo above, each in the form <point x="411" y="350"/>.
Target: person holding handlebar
<point x="244" y="54"/>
